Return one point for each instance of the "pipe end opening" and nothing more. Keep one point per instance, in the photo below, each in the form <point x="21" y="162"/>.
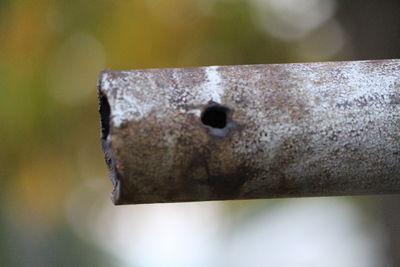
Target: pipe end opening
<point x="105" y="116"/>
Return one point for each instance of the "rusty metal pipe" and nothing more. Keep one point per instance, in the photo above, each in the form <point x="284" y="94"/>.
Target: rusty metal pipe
<point x="257" y="131"/>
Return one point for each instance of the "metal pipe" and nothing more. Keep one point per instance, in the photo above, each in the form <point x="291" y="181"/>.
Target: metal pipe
<point x="256" y="131"/>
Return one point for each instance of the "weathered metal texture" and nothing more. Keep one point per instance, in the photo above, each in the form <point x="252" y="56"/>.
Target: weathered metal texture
<point x="313" y="129"/>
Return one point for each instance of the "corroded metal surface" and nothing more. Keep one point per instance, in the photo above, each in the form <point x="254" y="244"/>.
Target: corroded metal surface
<point x="257" y="131"/>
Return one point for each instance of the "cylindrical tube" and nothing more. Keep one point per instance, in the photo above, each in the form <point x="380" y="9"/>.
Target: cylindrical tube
<point x="256" y="131"/>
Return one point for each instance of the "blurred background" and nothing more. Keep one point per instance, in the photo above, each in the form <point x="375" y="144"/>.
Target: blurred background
<point x="55" y="208"/>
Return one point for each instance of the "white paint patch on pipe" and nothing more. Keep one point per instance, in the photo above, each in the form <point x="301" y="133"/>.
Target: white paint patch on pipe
<point x="212" y="87"/>
<point x="124" y="104"/>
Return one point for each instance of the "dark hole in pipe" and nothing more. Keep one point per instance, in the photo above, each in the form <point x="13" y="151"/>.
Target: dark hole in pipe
<point x="215" y="116"/>
<point x="105" y="116"/>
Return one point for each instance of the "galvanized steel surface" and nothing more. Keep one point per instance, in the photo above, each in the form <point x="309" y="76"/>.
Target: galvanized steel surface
<point x="310" y="129"/>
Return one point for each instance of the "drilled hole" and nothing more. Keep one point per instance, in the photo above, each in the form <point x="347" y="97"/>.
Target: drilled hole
<point x="105" y="116"/>
<point x="215" y="117"/>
